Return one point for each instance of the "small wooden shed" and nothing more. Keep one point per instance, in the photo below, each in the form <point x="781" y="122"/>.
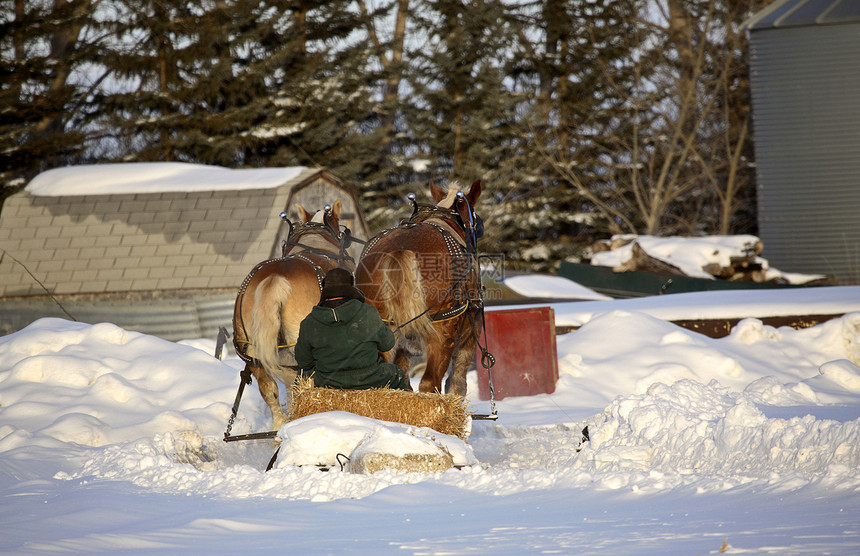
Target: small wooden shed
<point x="156" y="247"/>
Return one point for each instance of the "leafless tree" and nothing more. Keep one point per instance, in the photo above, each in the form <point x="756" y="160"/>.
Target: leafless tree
<point x="681" y="163"/>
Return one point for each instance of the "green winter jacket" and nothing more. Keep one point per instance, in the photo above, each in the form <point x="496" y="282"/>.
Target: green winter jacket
<point x="338" y="347"/>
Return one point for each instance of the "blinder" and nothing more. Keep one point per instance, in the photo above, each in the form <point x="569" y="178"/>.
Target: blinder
<point x="476" y="224"/>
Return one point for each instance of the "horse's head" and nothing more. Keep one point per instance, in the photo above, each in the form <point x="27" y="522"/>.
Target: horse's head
<point x="329" y="216"/>
<point x="325" y="224"/>
<point x="463" y="204"/>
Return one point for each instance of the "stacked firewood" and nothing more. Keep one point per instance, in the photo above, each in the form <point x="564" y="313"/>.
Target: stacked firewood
<point x="746" y="267"/>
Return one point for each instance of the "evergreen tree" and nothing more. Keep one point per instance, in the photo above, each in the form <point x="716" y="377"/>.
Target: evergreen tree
<point x="315" y="93"/>
<point x="582" y="118"/>
<point x="154" y="62"/>
<point x="240" y="83"/>
<point x="43" y="90"/>
<point x="459" y="110"/>
<point x="573" y="75"/>
<point x="387" y="173"/>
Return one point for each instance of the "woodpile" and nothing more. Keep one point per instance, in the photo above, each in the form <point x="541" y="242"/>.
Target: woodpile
<point x="646" y="263"/>
<point x="747" y="267"/>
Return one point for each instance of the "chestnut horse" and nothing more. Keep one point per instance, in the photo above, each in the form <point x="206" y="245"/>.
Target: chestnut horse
<point x="423" y="277"/>
<point x="278" y="294"/>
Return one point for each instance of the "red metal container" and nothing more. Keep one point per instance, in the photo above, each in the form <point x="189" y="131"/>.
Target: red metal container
<point x="523" y="344"/>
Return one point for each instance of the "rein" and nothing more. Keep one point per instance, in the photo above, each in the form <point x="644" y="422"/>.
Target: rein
<point x="449" y="313"/>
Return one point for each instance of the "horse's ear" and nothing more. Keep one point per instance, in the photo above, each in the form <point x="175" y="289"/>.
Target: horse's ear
<point x="332" y="216"/>
<point x="474" y="192"/>
<point x="436" y="192"/>
<point x="304" y="215"/>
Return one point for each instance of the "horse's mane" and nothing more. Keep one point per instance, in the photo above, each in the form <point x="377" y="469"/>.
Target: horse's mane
<point x="450" y="195"/>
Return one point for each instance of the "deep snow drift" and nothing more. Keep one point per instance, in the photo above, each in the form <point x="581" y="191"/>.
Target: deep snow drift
<point x="110" y="441"/>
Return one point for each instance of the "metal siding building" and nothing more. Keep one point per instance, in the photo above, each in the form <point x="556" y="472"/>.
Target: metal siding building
<point x="805" y="80"/>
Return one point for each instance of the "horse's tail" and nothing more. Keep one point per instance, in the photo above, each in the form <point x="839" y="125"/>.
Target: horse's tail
<point x="266" y="325"/>
<point x="403" y="296"/>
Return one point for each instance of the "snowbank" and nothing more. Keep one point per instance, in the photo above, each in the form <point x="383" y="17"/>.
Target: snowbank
<point x="718" y="305"/>
<point x="557" y="287"/>
<point x="98" y="411"/>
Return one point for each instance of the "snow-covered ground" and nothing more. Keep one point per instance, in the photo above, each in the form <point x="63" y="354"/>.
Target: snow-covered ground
<point x="110" y="442"/>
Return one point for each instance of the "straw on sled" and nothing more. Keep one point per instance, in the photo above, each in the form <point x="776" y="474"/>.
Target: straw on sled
<point x="445" y="413"/>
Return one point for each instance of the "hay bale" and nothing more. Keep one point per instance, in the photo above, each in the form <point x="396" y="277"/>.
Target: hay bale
<point x="445" y="413"/>
<point x="385" y="449"/>
<point x="369" y="463"/>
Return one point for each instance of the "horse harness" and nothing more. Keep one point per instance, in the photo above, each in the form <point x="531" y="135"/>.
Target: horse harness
<point x="464" y="254"/>
<point x="462" y="260"/>
<point x="462" y="265"/>
<point x="343" y="240"/>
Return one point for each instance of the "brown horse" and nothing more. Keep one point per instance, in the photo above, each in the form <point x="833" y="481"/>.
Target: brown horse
<point x="278" y="294"/>
<point x="423" y="277"/>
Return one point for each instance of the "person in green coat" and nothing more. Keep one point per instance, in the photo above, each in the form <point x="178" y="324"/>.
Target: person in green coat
<point x="340" y="340"/>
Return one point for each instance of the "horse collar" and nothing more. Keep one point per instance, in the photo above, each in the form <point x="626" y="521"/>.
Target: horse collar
<point x="315" y="228"/>
<point x="422" y="213"/>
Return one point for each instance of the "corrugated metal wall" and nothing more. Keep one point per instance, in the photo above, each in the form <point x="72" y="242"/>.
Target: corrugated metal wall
<point x="806" y="113"/>
<point x="180" y="316"/>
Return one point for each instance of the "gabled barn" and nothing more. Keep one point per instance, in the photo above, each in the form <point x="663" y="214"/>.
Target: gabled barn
<point x="805" y="84"/>
<point x="156" y="247"/>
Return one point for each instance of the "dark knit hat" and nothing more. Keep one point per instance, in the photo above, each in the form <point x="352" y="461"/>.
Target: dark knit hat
<point x="340" y="283"/>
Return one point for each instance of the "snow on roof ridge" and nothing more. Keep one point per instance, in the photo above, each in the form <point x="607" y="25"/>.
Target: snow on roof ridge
<point x="155" y="177"/>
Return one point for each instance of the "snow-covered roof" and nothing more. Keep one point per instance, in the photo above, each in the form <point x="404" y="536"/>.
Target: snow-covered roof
<point x="155" y="177"/>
